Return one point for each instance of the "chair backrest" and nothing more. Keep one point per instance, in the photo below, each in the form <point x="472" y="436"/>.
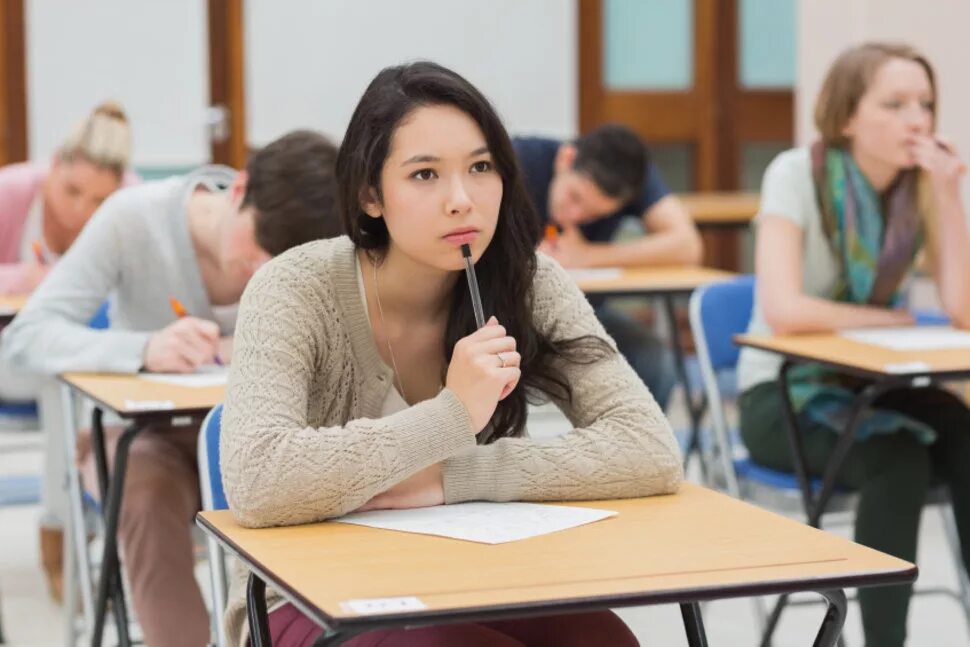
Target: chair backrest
<point x="214" y="498"/>
<point x="718" y="312"/>
<point x="723" y="311"/>
<point x="210" y="475"/>
<point x="101" y="320"/>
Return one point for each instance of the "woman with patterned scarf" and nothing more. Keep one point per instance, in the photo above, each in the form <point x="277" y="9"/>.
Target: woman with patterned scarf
<point x="842" y="224"/>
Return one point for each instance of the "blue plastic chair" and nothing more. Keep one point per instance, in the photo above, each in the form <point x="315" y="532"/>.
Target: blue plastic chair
<point x="214" y="498"/>
<point x="718" y="312"/>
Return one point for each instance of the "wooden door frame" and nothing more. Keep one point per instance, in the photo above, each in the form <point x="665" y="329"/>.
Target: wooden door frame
<point x="13" y="83"/>
<point x="745" y="115"/>
<point x="227" y="78"/>
<point x="721" y="114"/>
<point x="666" y="122"/>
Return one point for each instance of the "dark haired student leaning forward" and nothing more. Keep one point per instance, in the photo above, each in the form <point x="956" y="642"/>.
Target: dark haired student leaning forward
<point x="361" y="379"/>
<point x="585" y="189"/>
<point x="197" y="238"/>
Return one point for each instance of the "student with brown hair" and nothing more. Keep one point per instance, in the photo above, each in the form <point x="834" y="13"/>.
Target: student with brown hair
<point x="198" y="238"/>
<point x="364" y="379"/>
<point x="841" y="225"/>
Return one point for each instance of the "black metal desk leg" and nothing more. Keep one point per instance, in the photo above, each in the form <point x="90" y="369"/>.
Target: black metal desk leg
<point x="831" y="629"/>
<point x="116" y="588"/>
<point x="693" y="624"/>
<point x="841" y="450"/>
<point x="256" y="612"/>
<point x="109" y="581"/>
<point x="773" y="619"/>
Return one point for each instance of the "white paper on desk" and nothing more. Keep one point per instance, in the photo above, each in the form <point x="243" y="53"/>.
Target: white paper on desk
<point x="911" y="338"/>
<point x="204" y="376"/>
<point x="483" y="522"/>
<point x="596" y="274"/>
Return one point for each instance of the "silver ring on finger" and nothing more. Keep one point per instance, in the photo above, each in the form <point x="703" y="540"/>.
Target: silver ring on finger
<point x="501" y="359"/>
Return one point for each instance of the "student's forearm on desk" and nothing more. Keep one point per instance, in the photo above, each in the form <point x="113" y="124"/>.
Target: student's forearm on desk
<point x="622" y="445"/>
<point x="797" y="314"/>
<point x="664" y="248"/>
<point x="50" y="346"/>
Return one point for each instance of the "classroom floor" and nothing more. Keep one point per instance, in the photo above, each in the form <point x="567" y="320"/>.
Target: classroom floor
<point x="30" y="619"/>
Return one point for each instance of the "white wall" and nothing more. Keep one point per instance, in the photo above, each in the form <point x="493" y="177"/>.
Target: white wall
<point x="939" y="28"/>
<point x="151" y="56"/>
<point x="308" y="61"/>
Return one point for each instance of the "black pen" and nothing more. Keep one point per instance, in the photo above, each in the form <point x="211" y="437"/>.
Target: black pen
<point x="466" y="253"/>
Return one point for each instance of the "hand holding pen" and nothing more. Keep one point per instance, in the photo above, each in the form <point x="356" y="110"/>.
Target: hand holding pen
<point x="484" y="366"/>
<point x="183" y="346"/>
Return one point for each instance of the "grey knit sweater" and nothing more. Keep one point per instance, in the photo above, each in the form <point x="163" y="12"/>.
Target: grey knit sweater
<point x="137" y="249"/>
<point x="303" y="438"/>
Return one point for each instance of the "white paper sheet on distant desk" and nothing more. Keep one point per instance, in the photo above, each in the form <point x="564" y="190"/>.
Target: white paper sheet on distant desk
<point x="596" y="274"/>
<point x="206" y="376"/>
<point x="483" y="522"/>
<point x="912" y="338"/>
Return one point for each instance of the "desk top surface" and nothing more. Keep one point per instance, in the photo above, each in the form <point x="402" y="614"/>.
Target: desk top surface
<point x="11" y="305"/>
<point x="732" y="209"/>
<point x="862" y="358"/>
<point x="130" y="397"/>
<point x="694" y="545"/>
<point x="654" y="280"/>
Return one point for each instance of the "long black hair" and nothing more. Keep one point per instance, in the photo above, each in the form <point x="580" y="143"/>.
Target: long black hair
<point x="508" y="266"/>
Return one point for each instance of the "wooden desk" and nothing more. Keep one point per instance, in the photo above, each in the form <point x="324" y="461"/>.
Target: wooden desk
<point x="666" y="283"/>
<point x="141" y="404"/>
<point x="118" y="393"/>
<point x="883" y="368"/>
<point x="863" y="360"/>
<point x="735" y="210"/>
<point x="9" y="307"/>
<point x="654" y="281"/>
<point x="696" y="545"/>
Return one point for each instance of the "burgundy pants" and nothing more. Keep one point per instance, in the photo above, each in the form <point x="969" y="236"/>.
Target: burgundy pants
<point x="290" y="628"/>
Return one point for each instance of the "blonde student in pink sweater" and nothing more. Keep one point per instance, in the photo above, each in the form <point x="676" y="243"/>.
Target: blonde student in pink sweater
<point x="362" y="378"/>
<point x="43" y="207"/>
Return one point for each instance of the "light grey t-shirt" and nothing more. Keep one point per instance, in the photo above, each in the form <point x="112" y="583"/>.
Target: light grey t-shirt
<point x="135" y="248"/>
<point x="788" y="192"/>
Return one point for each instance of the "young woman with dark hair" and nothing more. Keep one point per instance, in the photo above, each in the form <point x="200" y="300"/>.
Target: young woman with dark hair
<point x="361" y="380"/>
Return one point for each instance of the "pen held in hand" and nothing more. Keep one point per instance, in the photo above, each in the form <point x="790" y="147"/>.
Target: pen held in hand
<point x="181" y="312"/>
<point x="552" y="234"/>
<point x="466" y="253"/>
<point x="38" y="252"/>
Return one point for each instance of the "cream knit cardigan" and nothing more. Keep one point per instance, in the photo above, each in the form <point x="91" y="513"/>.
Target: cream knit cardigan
<point x="303" y="438"/>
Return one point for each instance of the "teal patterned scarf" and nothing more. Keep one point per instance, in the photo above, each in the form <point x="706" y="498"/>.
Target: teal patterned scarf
<point x="875" y="255"/>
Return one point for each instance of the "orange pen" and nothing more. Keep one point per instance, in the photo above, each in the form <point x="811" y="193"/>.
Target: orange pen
<point x="180" y="312"/>
<point x="38" y="252"/>
<point x="178" y="308"/>
<point x="552" y="234"/>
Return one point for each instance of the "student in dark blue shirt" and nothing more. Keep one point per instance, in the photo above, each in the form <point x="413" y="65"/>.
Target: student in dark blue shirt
<point x="586" y="188"/>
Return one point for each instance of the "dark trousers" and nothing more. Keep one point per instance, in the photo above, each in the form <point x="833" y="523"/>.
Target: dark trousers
<point x="892" y="474"/>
